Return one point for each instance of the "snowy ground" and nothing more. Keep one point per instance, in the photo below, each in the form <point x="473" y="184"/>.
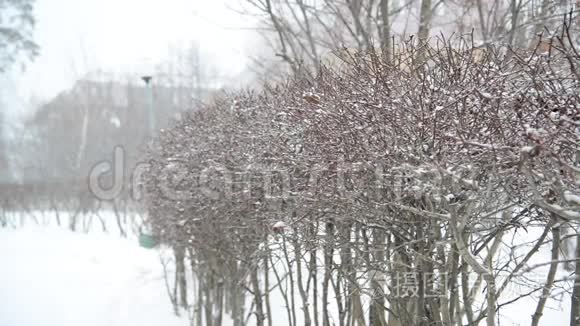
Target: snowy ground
<point x="51" y="276"/>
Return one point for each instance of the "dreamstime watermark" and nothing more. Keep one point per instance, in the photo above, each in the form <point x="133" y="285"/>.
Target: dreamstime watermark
<point x="176" y="180"/>
<point x="116" y="169"/>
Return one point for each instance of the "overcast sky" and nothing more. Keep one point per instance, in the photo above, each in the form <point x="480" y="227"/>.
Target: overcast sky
<point x="76" y="36"/>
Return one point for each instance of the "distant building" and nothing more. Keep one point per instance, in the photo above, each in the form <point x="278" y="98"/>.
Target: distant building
<point x="81" y="126"/>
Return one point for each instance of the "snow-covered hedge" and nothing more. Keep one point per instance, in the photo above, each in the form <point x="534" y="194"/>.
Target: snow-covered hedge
<point x="430" y="164"/>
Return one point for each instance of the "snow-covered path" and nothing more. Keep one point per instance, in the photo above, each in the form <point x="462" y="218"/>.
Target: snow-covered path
<point x="56" y="277"/>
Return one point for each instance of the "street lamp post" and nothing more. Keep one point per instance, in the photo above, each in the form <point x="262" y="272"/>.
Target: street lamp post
<point x="146" y="238"/>
<point x="149" y="83"/>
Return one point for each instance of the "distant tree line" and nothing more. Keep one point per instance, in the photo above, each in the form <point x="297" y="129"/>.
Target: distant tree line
<point x="299" y="33"/>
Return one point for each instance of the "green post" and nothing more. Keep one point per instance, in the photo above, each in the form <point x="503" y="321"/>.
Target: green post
<point x="149" y="83"/>
<point x="147" y="240"/>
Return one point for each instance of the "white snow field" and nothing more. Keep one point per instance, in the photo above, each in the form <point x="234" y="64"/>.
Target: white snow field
<point x="50" y="276"/>
<point x="53" y="277"/>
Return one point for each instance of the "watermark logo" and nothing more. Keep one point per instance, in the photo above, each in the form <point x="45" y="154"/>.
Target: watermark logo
<point x="177" y="180"/>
